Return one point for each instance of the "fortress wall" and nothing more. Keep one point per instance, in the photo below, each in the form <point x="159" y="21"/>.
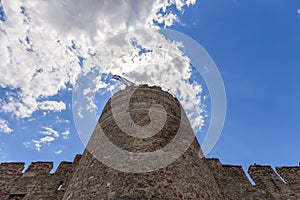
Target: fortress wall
<point x="291" y="175"/>
<point x="36" y="182"/>
<point x="267" y="180"/>
<point x="232" y="183"/>
<point x="9" y="174"/>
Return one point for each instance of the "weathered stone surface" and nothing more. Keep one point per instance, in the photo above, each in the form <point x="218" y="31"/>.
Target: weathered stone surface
<point x="188" y="177"/>
<point x="231" y="181"/>
<point x="191" y="176"/>
<point x="9" y="174"/>
<point x="36" y="182"/>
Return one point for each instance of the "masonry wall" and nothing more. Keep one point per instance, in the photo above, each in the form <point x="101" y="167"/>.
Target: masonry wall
<point x="269" y="184"/>
<point x="187" y="177"/>
<point x="232" y="183"/>
<point x="36" y="182"/>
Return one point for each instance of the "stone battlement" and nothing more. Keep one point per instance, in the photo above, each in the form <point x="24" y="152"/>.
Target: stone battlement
<point x="36" y="182"/>
<point x="234" y="184"/>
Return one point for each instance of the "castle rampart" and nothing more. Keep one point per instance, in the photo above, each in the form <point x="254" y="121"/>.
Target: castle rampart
<point x="38" y="183"/>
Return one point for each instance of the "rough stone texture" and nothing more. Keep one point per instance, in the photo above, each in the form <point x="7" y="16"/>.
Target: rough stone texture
<point x="9" y="174"/>
<point x="190" y="177"/>
<point x="231" y="181"/>
<point x="36" y="182"/>
<point x="292" y="177"/>
<point x="234" y="184"/>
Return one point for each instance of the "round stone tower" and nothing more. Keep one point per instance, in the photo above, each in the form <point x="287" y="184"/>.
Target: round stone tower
<point x="143" y="147"/>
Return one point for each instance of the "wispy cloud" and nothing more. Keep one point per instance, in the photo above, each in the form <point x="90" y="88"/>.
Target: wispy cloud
<point x="51" y="136"/>
<point x="49" y="131"/>
<point x="38" y="143"/>
<point x="58" y="152"/>
<point x="61" y="120"/>
<point x="65" y="134"/>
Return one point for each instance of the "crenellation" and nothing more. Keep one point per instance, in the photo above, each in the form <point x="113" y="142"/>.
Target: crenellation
<point x="63" y="168"/>
<point x="292" y="176"/>
<point x="231" y="180"/>
<point x="234" y="184"/>
<point x="265" y="177"/>
<point x="38" y="168"/>
<point x="238" y="185"/>
<point x="36" y="182"/>
<point x="267" y="180"/>
<point x="13" y="166"/>
<point x="238" y="174"/>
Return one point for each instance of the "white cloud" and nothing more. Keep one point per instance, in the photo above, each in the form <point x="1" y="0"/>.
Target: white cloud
<point x="61" y="120"/>
<point x="41" y="47"/>
<point x="26" y="144"/>
<point x="4" y="128"/>
<point x="51" y="136"/>
<point x="47" y="139"/>
<point x="49" y="131"/>
<point x="37" y="56"/>
<point x="65" y="134"/>
<point x="166" y="67"/>
<point x="37" y="144"/>
<point x="79" y="113"/>
<point x="52" y="105"/>
<point x="58" y="152"/>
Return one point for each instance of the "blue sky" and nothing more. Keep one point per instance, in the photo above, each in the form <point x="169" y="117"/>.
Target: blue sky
<point x="255" y="45"/>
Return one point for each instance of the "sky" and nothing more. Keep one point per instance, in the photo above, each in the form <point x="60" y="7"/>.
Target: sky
<point x="46" y="48"/>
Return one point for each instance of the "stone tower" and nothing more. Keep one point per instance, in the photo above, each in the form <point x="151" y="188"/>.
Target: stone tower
<point x="158" y="176"/>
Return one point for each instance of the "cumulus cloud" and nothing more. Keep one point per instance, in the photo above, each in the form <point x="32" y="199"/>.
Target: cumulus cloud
<point x="47" y="44"/>
<point x="146" y="56"/>
<point x="4" y="128"/>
